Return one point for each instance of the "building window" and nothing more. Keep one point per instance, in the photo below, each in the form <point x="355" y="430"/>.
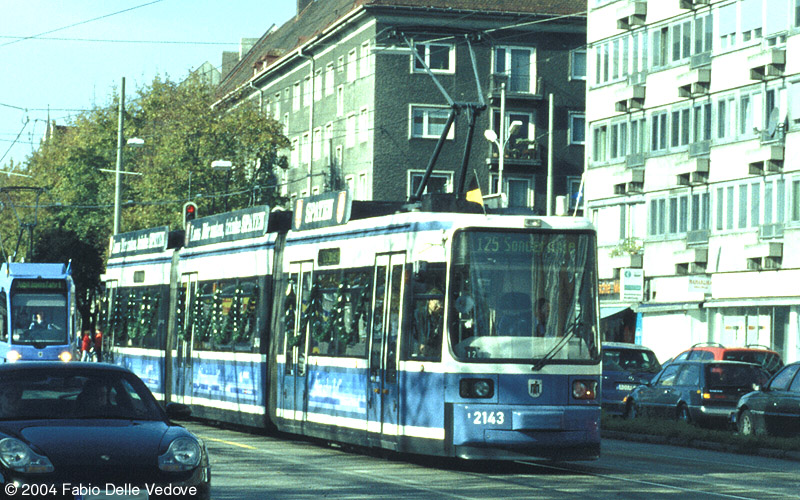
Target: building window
<point x="680" y="128"/>
<point x="438" y="182"/>
<point x="304" y="149"/>
<point x="307" y="91"/>
<point x="327" y="137"/>
<point x="726" y="117"/>
<point x="619" y="140"/>
<point x="316" y="143"/>
<point x="329" y="79"/>
<point x="638" y="136"/>
<point x="352" y="68"/>
<point x="340" y="100"/>
<point x="577" y="128"/>
<point x="439" y="57"/>
<point x="742" y="206"/>
<point x="364" y="190"/>
<point x="751" y="19"/>
<point x="720" y="212"/>
<point x="364" y="60"/>
<point x="294" y="160"/>
<point x="599" y="143"/>
<point x="520" y="143"/>
<point x="363" y="125"/>
<point x="428" y="122"/>
<point x="659" y="132"/>
<point x="660" y="47"/>
<point x="749" y="111"/>
<point x="702" y="122"/>
<point x="318" y="85"/>
<point x="573" y="192"/>
<point x="701" y="211"/>
<point x="350" y="131"/>
<point x="681" y="41"/>
<point x="518" y="191"/>
<point x="518" y="64"/>
<point x="729" y="207"/>
<point x="703" y="34"/>
<point x="296" y="97"/>
<point x="727" y="26"/>
<point x="795" y="198"/>
<point x="578" y="64"/>
<point x="755" y="205"/>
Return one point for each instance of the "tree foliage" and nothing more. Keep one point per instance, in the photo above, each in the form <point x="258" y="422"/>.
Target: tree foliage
<point x="182" y="132"/>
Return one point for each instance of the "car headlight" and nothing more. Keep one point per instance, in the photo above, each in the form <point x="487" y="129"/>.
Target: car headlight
<point x="183" y="454"/>
<point x="18" y="456"/>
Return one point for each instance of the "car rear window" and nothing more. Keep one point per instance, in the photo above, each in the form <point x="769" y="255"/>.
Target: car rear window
<point x="768" y="360"/>
<point x="630" y="360"/>
<point x="718" y="376"/>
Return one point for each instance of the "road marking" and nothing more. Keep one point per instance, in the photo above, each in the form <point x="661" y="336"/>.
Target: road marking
<point x="232" y="443"/>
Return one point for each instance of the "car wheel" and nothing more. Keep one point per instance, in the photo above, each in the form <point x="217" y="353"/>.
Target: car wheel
<point x="747" y="426"/>
<point x="683" y="414"/>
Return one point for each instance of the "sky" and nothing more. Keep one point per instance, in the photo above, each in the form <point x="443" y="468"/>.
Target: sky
<point x="70" y="55"/>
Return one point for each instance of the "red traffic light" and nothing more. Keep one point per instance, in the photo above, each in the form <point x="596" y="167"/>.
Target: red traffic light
<point x="189" y="212"/>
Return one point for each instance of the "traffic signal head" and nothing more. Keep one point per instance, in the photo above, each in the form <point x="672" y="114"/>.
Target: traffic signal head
<point x="189" y="213"/>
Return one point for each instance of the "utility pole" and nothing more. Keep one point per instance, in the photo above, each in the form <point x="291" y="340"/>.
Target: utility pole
<point x="118" y="171"/>
<point x="550" y="157"/>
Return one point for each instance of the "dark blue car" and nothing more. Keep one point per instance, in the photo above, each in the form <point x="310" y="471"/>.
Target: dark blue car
<point x="69" y="430"/>
<point x="625" y="366"/>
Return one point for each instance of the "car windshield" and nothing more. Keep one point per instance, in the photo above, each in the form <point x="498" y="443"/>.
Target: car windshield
<point x="719" y="376"/>
<point x="523" y="296"/>
<point x="28" y="394"/>
<point x="630" y="360"/>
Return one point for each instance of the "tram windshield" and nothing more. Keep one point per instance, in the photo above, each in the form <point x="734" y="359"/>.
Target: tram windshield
<point x="39" y="318"/>
<point x="523" y="296"/>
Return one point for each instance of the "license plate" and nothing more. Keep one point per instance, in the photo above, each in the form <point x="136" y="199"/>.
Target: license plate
<point x="626" y="387"/>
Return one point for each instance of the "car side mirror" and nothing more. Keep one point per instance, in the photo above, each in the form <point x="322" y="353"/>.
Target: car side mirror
<point x="178" y="411"/>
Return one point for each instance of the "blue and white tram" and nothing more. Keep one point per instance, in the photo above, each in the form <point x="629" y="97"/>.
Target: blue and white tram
<point x="136" y="303"/>
<point x="449" y="334"/>
<point x="431" y="332"/>
<point x="37" y="312"/>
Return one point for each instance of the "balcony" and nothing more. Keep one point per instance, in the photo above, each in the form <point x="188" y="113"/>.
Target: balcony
<point x="524" y="154"/>
<point x="694" y="83"/>
<point x="764" y="255"/>
<point x="691" y="261"/>
<point x="766" y="159"/>
<point x="630" y="99"/>
<point x="631" y="14"/>
<point x="518" y="87"/>
<point x="698" y="237"/>
<point x="692" y="4"/>
<point x="767" y="64"/>
<point x="629" y="182"/>
<point x="693" y="172"/>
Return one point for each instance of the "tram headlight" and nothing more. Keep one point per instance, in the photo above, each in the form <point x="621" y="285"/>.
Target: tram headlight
<point x="65" y="356"/>
<point x="476" y="388"/>
<point x="584" y="389"/>
<point x="13" y="355"/>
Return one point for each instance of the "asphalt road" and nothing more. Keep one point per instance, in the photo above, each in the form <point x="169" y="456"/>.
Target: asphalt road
<point x="250" y="466"/>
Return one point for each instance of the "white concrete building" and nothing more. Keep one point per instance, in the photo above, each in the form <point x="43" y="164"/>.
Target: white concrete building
<point x="693" y="172"/>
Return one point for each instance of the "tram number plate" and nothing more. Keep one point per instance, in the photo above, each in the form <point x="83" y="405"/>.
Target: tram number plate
<point x="487" y="417"/>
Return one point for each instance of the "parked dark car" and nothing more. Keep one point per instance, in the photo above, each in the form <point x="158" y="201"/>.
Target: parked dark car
<point x="625" y="366"/>
<point x="775" y="408"/>
<point x="703" y="392"/>
<point x="758" y="354"/>
<point x="66" y="426"/>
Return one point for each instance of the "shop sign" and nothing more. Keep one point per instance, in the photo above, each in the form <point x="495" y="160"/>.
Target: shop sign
<point x="632" y="284"/>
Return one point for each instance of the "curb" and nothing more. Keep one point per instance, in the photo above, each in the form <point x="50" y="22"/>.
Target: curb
<point x="703" y="445"/>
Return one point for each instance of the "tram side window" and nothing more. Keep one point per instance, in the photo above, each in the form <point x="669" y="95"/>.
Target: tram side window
<point x="427" y="315"/>
<point x="338" y="311"/>
<point x="3" y="318"/>
<point x="134" y="318"/>
<point x="223" y="316"/>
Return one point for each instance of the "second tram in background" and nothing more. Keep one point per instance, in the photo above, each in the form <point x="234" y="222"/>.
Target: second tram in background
<point x="37" y="312"/>
<point x="436" y="332"/>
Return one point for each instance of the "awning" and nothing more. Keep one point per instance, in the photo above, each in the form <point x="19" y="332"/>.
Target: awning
<point x="753" y="301"/>
<point x="668" y="307"/>
<point x="611" y="310"/>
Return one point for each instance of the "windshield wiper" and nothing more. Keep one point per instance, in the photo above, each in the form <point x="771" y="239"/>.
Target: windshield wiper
<point x="557" y="348"/>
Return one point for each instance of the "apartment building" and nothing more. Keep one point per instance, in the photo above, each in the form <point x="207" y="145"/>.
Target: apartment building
<point x="364" y="90"/>
<point x="692" y="173"/>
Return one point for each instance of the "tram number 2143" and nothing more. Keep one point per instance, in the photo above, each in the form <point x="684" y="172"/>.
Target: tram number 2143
<point x="487" y="417"/>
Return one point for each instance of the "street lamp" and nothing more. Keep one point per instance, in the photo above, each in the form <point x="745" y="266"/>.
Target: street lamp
<point x="227" y="166"/>
<point x="491" y="136"/>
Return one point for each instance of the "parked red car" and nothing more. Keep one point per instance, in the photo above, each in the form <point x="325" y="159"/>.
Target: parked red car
<point x="761" y="355"/>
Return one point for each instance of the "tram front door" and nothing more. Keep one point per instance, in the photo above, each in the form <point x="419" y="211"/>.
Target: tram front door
<point x="182" y="388"/>
<point x="298" y="296"/>
<point x="382" y="395"/>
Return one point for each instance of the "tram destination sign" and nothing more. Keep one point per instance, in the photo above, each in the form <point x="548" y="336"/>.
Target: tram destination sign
<point x="39" y="284"/>
<point x="239" y="225"/>
<point x="140" y="242"/>
<point x="321" y="210"/>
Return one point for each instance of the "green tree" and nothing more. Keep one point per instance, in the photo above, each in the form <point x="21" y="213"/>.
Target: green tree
<point x="183" y="133"/>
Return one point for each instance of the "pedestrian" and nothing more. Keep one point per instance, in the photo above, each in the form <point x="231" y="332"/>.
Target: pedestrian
<point x="98" y="345"/>
<point x="86" y="345"/>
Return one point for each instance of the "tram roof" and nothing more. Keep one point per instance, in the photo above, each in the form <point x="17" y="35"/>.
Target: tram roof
<point x="35" y="270"/>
